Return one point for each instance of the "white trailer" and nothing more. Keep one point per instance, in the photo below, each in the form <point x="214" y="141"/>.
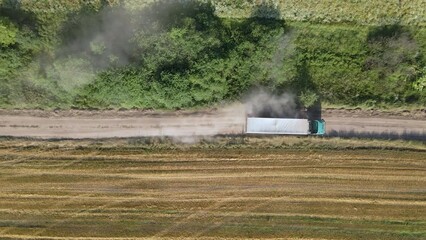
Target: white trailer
<point x="288" y="126"/>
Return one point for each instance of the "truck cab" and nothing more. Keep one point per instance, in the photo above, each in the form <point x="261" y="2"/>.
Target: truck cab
<point x="317" y="127"/>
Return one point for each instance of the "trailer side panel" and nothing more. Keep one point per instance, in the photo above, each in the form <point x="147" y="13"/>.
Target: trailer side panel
<point x="277" y="126"/>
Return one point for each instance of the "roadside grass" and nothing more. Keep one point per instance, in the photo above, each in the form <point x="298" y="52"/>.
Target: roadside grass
<point x="216" y="142"/>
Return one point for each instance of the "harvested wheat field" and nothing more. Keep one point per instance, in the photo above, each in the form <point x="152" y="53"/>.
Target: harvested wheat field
<point x="95" y="189"/>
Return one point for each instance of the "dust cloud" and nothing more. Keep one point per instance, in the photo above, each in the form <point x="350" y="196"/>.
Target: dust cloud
<point x="103" y="37"/>
<point x="265" y="104"/>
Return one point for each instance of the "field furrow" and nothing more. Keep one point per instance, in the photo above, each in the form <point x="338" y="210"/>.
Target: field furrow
<point x="88" y="192"/>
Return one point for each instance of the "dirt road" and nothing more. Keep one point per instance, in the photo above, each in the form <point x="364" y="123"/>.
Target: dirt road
<point x="229" y="120"/>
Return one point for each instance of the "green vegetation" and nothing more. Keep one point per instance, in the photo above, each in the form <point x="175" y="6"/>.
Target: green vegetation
<point x="171" y="55"/>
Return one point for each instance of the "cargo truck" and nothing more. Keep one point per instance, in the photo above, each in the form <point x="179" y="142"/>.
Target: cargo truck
<point x="284" y="126"/>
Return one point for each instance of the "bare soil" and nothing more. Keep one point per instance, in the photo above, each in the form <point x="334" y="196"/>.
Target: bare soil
<point x="418" y="114"/>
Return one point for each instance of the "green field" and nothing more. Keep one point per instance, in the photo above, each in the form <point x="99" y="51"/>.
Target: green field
<point x="232" y="188"/>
